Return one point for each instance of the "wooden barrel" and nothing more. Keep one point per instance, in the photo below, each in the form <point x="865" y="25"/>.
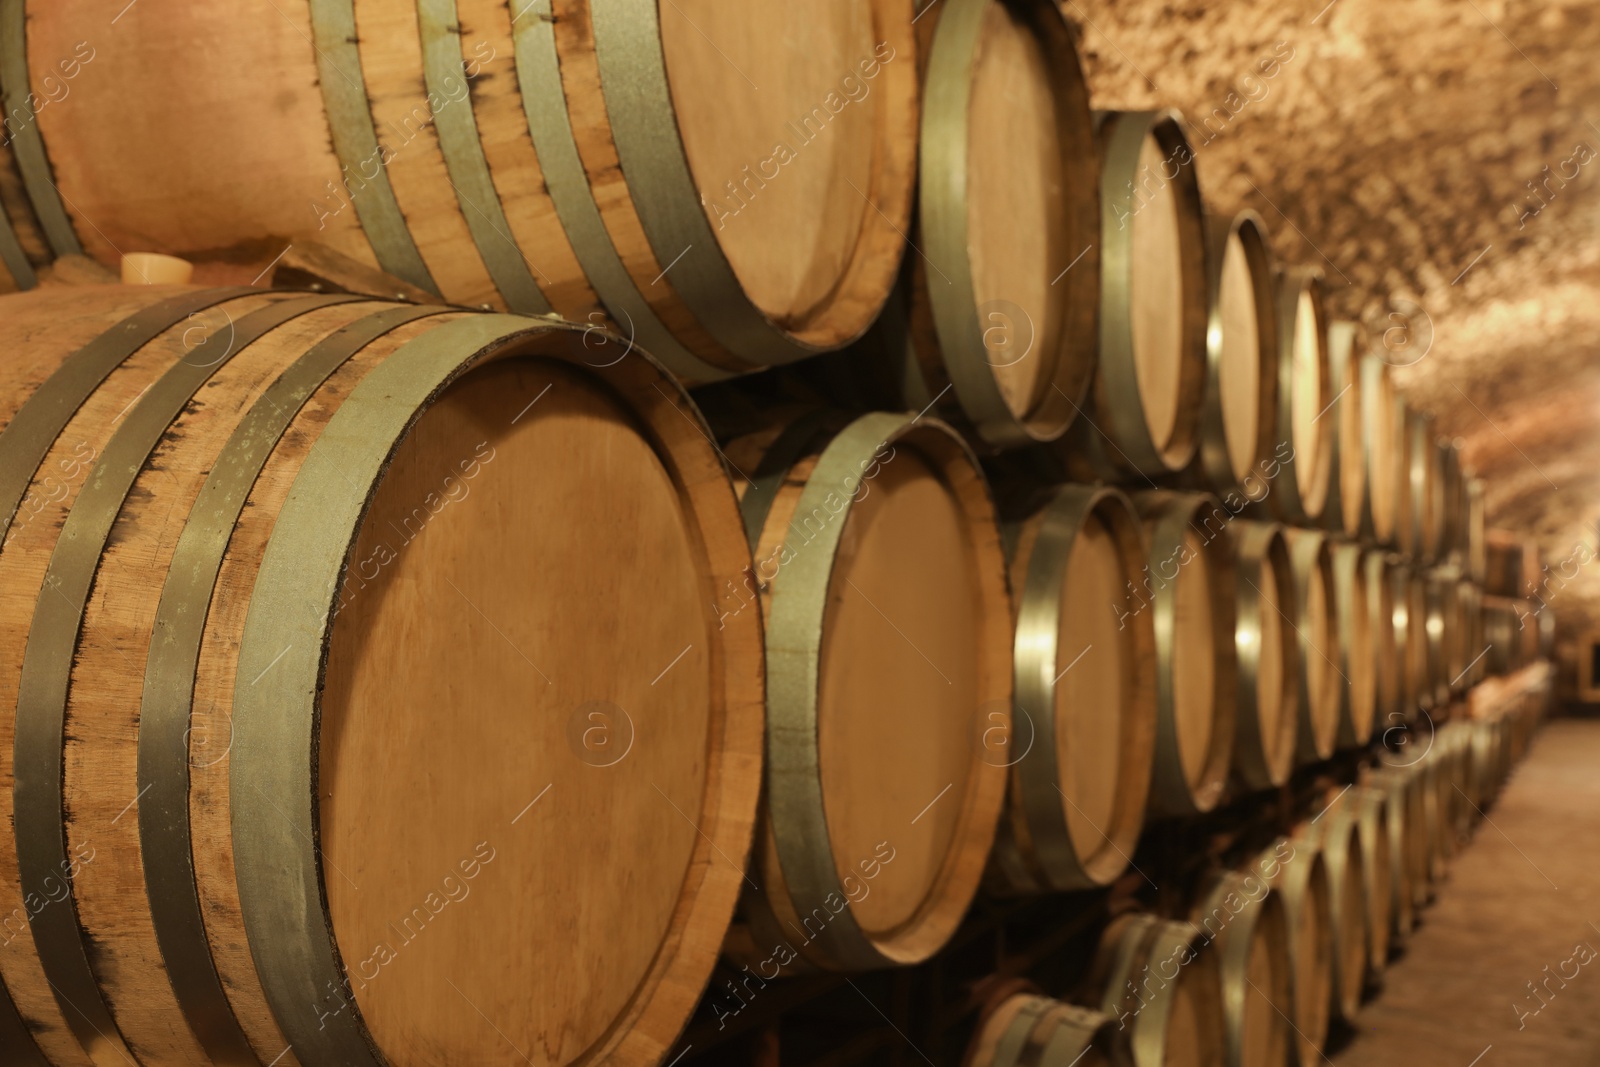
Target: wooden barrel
<point x="1152" y="366"/>
<point x="1005" y="298"/>
<point x="1404" y="527"/>
<point x="1243" y="920"/>
<point x="1084" y="661"/>
<point x="1377" y="865"/>
<point x="1316" y="632"/>
<point x="1387" y="646"/>
<point x="883" y="591"/>
<point x="1300" y="490"/>
<point x="1447" y="663"/>
<point x="263" y="547"/>
<point x="1476" y="546"/>
<point x="681" y="173"/>
<point x="1403" y="826"/>
<point x="1338" y="835"/>
<point x="1189" y="587"/>
<point x="1268" y="716"/>
<point x="1426" y="496"/>
<point x="1469" y="598"/>
<point x="1502" y="634"/>
<point x="1348" y="509"/>
<point x="1424" y="775"/>
<point x="1453" y="494"/>
<point x="1241" y="391"/>
<point x="1359" y="648"/>
<point x="1303" y="881"/>
<point x="1381" y="450"/>
<point x="1027" y="1030"/>
<point x="1157" y="980"/>
<point x="1504" y="569"/>
<point x="1411" y="628"/>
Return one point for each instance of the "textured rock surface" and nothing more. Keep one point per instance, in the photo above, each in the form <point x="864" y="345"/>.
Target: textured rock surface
<point x="1440" y="161"/>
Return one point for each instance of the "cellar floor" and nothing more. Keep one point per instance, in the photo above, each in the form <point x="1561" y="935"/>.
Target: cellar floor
<point x="1520" y="904"/>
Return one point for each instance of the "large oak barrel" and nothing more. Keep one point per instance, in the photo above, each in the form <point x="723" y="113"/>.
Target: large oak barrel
<point x="1360" y="649"/>
<point x="1476" y="548"/>
<point x="263" y="550"/>
<point x="1446" y="662"/>
<point x="1453" y="493"/>
<point x="1411" y="621"/>
<point x="1084" y="660"/>
<point x="1026" y="1030"/>
<point x="1241" y="392"/>
<point x="1303" y="882"/>
<point x="1316" y="634"/>
<point x="1300" y="488"/>
<point x="1189" y="587"/>
<point x="1006" y="296"/>
<point x="1400" y="421"/>
<point x="1267" y="722"/>
<point x="1404" y="826"/>
<point x="1161" y="984"/>
<point x="1243" y="919"/>
<point x="1338" y="835"/>
<point x="1349" y="508"/>
<point x="882" y="584"/>
<point x="1152" y="365"/>
<point x="1503" y="634"/>
<point x="1381" y="450"/>
<point x="730" y="208"/>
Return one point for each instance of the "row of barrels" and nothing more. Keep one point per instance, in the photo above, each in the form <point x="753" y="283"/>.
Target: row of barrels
<point x="618" y="168"/>
<point x="1280" y="948"/>
<point x="262" y="547"/>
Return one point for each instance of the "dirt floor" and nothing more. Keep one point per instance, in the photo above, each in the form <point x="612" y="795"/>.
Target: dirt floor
<point x="1505" y="969"/>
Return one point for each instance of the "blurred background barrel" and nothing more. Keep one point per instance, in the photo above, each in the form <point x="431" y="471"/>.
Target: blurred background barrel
<point x="1268" y="719"/>
<point x="1315" y="630"/>
<point x="1348" y="509"/>
<point x="1304" y="439"/>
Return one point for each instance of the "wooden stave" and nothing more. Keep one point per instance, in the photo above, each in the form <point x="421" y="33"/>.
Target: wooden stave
<point x="1167" y="516"/>
<point x="1311" y="554"/>
<point x="641" y="379"/>
<point x="795" y="856"/>
<point x="1380" y="524"/>
<point x="1339" y="839"/>
<point x="1213" y="464"/>
<point x="1302" y="495"/>
<point x="1127" y="947"/>
<point x="1034" y="850"/>
<point x="1348" y="509"/>
<point x="1303" y="883"/>
<point x="708" y="322"/>
<point x="949" y="343"/>
<point x="1262" y="545"/>
<point x="1233" y="942"/>
<point x="1118" y="405"/>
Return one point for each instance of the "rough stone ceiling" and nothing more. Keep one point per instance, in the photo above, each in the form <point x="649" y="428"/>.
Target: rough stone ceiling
<point x="1440" y="161"/>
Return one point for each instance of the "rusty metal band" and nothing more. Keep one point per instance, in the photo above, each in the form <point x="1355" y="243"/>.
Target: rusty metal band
<point x="1214" y="455"/>
<point x="1357" y="711"/>
<point x="644" y="127"/>
<point x="272" y="766"/>
<point x="12" y="255"/>
<point x="796" y="440"/>
<point x="1263" y="762"/>
<point x="1169" y="521"/>
<point x="1119" y="399"/>
<point x="544" y="102"/>
<point x="1037" y="793"/>
<point x="1347" y="509"/>
<point x="27" y="144"/>
<point x="1304" y="494"/>
<point x="794" y="652"/>
<point x="444" y="74"/>
<point x="944" y="201"/>
<point x="46" y="678"/>
<point x="164" y="759"/>
<point x="355" y="143"/>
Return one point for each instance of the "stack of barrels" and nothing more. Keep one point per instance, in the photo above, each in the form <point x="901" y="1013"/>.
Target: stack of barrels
<point x="1059" y="510"/>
